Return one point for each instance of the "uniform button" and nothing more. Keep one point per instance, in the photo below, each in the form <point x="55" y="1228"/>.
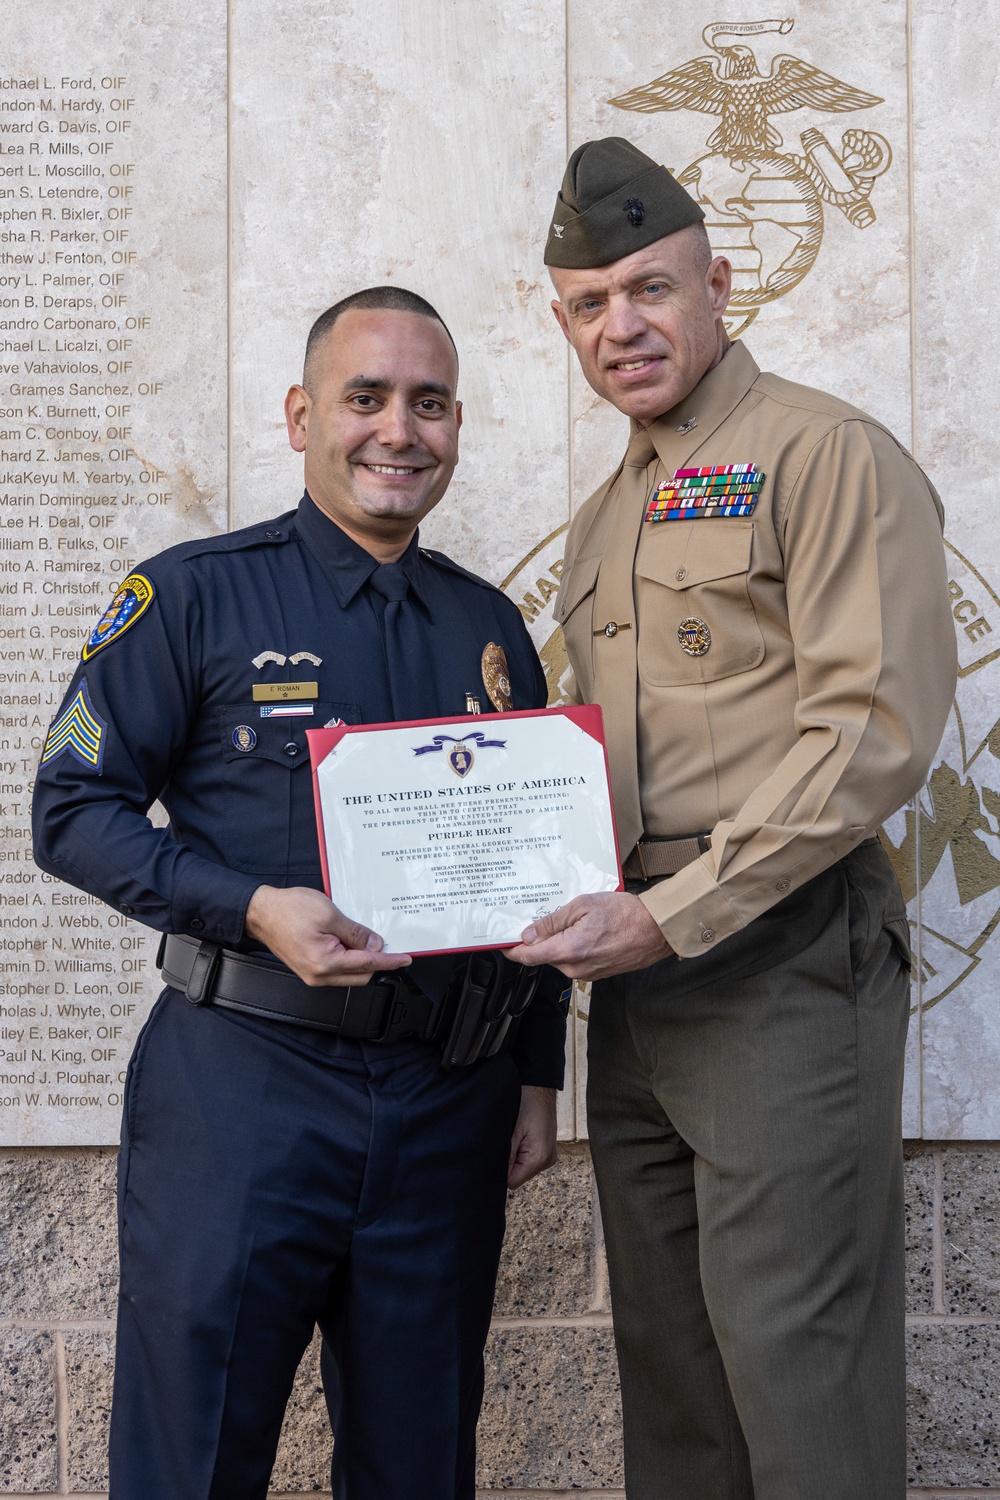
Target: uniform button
<point x="291" y="749"/>
<point x="707" y="935"/>
<point x="782" y="885"/>
<point x="272" y="536"/>
<point x="197" y="924"/>
<point x="681" y="573"/>
<point x="127" y="911"/>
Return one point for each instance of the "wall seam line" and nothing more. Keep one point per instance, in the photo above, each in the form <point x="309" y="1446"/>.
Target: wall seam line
<point x="230" y="502"/>
<point x="62" y="1415"/>
<point x="571" y="456"/>
<point x="937" y="1232"/>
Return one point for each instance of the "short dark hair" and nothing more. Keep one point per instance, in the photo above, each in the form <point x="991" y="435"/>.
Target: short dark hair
<point x="374" y="299"/>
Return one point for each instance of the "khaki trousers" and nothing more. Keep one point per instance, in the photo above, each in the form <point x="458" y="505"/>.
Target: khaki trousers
<point x="744" y="1117"/>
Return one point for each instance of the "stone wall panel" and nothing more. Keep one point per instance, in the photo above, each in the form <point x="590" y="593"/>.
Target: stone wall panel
<point x="58" y="1233"/>
<point x="954" y="378"/>
<point x="114" y="393"/>
<point x="920" y="1232"/>
<point x="547" y="1267"/>
<point x="29" y="1458"/>
<point x="971" y="1194"/>
<point x="953" y="1376"/>
<point x="90" y="1360"/>
<point x="552" y="1415"/>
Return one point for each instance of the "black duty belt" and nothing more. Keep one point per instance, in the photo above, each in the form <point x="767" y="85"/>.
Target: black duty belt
<point x="486" y="994"/>
<point x="386" y="1010"/>
<point x="652" y="857"/>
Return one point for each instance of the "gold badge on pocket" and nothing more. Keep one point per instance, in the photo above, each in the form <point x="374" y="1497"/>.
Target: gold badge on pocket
<point x="694" y="636"/>
<point x="496" y="677"/>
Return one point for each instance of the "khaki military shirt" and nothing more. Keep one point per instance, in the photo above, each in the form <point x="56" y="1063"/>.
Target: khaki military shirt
<point x="821" y="699"/>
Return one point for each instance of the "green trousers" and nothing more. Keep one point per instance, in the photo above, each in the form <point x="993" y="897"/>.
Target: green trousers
<point x="744" y="1117"/>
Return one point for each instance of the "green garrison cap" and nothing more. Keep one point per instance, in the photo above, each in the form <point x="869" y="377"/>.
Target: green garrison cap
<point x="614" y="199"/>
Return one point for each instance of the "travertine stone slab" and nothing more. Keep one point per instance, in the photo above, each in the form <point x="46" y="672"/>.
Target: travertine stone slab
<point x="113" y="345"/>
<point x="955" y="145"/>
<point x="414" y="154"/>
<point x="547" y="1266"/>
<point x="58" y="1250"/>
<point x="953" y="1375"/>
<point x="29" y="1457"/>
<point x="552" y="1414"/>
<point x="89" y="1374"/>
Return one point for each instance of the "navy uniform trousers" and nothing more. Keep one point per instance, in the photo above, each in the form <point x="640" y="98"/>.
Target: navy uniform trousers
<point x="274" y="1177"/>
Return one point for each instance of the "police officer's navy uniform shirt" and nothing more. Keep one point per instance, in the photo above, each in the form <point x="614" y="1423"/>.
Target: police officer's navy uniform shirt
<point x="168" y="699"/>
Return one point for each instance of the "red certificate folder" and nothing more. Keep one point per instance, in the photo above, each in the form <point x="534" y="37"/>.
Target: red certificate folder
<point x="439" y="834"/>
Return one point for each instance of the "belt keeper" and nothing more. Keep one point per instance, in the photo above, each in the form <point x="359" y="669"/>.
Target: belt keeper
<point x="642" y="862"/>
<point x="203" y="971"/>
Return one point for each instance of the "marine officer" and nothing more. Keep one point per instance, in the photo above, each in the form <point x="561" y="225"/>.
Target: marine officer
<point x="757" y="598"/>
<point x="293" y="1149"/>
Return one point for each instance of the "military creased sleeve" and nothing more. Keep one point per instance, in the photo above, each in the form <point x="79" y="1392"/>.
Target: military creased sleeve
<point x="122" y="728"/>
<point x="875" y="661"/>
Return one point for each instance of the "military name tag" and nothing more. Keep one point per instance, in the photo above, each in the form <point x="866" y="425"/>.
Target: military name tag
<point x="698" y="494"/>
<point x="284" y="692"/>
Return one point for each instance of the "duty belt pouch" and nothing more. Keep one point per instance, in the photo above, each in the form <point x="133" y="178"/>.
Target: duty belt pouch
<point x="493" y="993"/>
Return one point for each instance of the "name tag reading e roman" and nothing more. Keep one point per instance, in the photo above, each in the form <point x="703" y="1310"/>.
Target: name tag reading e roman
<point x="284" y="692"/>
<point x="448" y="835"/>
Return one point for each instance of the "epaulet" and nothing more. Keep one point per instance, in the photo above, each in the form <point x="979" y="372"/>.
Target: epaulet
<point x="453" y="567"/>
<point x="263" y="534"/>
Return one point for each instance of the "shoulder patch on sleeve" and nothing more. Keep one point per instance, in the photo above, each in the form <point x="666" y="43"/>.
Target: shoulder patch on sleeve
<point x="133" y="598"/>
<point x="79" y="730"/>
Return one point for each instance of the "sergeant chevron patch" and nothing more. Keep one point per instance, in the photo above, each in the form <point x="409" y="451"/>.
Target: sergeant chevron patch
<point x="79" y="730"/>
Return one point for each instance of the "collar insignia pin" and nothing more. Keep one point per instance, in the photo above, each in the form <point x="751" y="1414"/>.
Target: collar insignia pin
<point x="687" y="426"/>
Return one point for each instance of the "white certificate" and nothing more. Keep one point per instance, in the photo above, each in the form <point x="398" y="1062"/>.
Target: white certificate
<point x="450" y="834"/>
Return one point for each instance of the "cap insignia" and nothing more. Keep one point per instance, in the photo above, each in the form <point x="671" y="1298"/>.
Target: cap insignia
<point x="635" y="209"/>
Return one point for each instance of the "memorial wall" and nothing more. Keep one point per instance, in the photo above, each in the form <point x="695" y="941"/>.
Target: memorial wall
<point x="181" y="193"/>
<point x="183" y="187"/>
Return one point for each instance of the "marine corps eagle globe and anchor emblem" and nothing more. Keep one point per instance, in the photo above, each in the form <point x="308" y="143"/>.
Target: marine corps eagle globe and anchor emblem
<point x="763" y="206"/>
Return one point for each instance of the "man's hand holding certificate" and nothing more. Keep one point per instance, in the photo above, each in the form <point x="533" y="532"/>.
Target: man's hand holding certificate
<point x="447" y="835"/>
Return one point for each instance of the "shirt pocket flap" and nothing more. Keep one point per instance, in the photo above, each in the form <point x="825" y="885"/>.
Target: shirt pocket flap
<point x="580" y="581"/>
<point x="688" y="554"/>
<point x="279" y="738"/>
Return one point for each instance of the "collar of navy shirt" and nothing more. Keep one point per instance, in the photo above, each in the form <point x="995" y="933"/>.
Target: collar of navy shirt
<point x="347" y="564"/>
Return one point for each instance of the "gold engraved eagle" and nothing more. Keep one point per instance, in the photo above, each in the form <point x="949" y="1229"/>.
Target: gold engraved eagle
<point x="764" y="207"/>
<point x="731" y="84"/>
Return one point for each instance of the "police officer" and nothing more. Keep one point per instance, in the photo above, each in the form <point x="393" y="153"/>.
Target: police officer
<point x="757" y="598"/>
<point x="293" y="1149"/>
